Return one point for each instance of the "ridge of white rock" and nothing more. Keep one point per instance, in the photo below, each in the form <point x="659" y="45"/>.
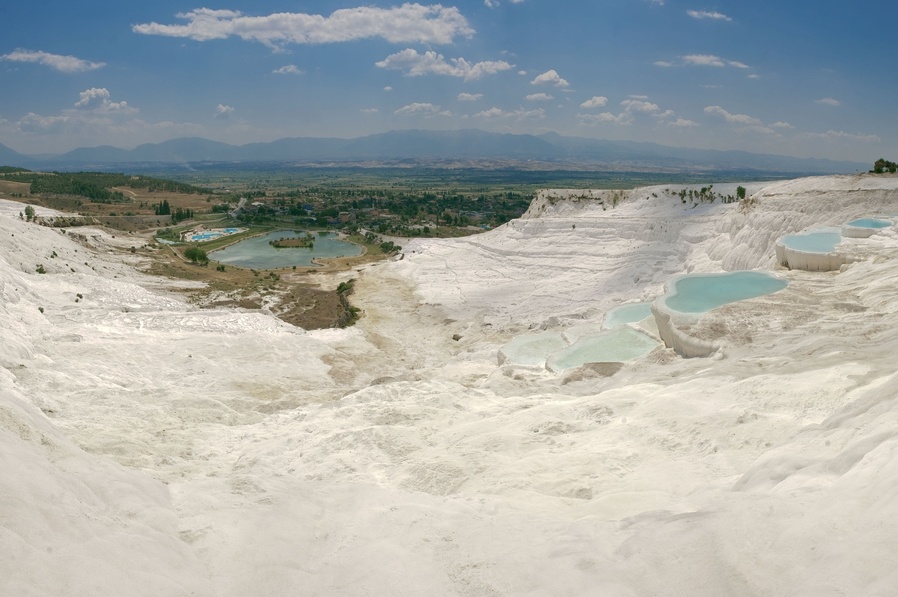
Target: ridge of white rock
<point x="149" y="447"/>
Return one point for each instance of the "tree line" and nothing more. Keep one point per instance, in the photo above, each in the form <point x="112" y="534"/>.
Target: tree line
<point x="881" y="165"/>
<point x="96" y="186"/>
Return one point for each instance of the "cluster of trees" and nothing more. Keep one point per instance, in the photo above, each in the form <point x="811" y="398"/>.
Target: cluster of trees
<point x="881" y="165"/>
<point x="179" y="215"/>
<point x="96" y="186"/>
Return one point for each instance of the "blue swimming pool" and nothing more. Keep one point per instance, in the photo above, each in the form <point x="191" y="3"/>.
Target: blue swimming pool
<point x="697" y="293"/>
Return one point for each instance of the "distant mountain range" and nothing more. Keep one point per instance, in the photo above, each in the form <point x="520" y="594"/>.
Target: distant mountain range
<point x="470" y="147"/>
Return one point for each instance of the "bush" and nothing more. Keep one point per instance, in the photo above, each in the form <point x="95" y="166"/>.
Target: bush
<point x="196" y="255"/>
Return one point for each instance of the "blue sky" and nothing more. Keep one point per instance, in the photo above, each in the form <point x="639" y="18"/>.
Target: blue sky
<point x="803" y="78"/>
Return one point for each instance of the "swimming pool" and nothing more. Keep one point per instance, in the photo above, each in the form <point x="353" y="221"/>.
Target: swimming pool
<point x="698" y="293"/>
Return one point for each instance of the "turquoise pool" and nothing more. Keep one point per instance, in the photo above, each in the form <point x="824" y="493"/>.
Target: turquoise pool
<point x="533" y="349"/>
<point x="869" y="223"/>
<point x="823" y="241"/>
<point x="256" y="253"/>
<point x="621" y="344"/>
<point x="697" y="293"/>
<point x="629" y="313"/>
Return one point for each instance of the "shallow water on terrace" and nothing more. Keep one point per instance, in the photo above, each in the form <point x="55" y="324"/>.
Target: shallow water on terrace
<point x="257" y="253"/>
<point x="869" y="223"/>
<point x="823" y="241"/>
<point x="533" y="349"/>
<point x="629" y="313"/>
<point x="698" y="293"/>
<point x="612" y="346"/>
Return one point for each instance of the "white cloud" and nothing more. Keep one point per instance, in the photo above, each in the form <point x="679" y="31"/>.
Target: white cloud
<point x="705" y="14"/>
<point x="683" y="123"/>
<point x="490" y="3"/>
<point x="638" y="105"/>
<point x="710" y="60"/>
<point x="523" y="73"/>
<point x="63" y="64"/>
<point x="664" y="64"/>
<point x="388" y="89"/>
<point x="423" y="108"/>
<point x="290" y="69"/>
<point x="97" y="99"/>
<point x="519" y="114"/>
<point x="469" y="97"/>
<point x="828" y="101"/>
<point x="538" y="97"/>
<point x="369" y="110"/>
<point x="431" y="63"/>
<point x="223" y="112"/>
<point x="781" y="125"/>
<point x="550" y="77"/>
<point x="624" y="118"/>
<point x="733" y="118"/>
<point x="596" y="101"/>
<point x="399" y="24"/>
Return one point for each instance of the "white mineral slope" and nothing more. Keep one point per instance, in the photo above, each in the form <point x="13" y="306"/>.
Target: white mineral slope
<point x="152" y="448"/>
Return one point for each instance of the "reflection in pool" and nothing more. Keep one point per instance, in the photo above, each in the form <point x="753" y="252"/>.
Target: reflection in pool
<point x="257" y="253"/>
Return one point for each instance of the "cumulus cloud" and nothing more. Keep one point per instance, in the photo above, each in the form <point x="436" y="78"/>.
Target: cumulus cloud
<point x="733" y="118"/>
<point x="624" y="118"/>
<point x="633" y="106"/>
<point x="828" y="101"/>
<point x="388" y="89"/>
<point x="538" y="97"/>
<point x="469" y="97"/>
<point x="710" y="60"/>
<point x="223" y="112"/>
<point x="290" y="69"/>
<point x="519" y="114"/>
<point x="431" y="63"/>
<point x="683" y="123"/>
<point x="427" y="109"/>
<point x="399" y="24"/>
<point x="97" y="99"/>
<point x="63" y="64"/>
<point x="596" y="101"/>
<point x="550" y="77"/>
<point x="781" y="125"/>
<point x="705" y="14"/>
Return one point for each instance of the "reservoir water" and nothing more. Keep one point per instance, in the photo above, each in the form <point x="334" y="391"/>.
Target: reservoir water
<point x="257" y="253"/>
<point x="697" y="293"/>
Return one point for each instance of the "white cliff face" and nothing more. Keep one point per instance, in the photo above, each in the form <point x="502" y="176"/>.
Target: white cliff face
<point x="152" y="448"/>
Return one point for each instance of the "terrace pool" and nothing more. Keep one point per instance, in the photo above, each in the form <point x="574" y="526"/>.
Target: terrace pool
<point x="869" y="223"/>
<point x="256" y="253"/>
<point x="620" y="344"/>
<point x="532" y="349"/>
<point x="629" y="313"/>
<point x="698" y="293"/>
<point x="821" y="241"/>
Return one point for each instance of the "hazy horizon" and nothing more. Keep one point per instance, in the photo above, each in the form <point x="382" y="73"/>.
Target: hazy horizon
<point x="791" y="80"/>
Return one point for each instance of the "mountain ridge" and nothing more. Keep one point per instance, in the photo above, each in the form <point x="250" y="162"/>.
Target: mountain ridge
<point x="429" y="146"/>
